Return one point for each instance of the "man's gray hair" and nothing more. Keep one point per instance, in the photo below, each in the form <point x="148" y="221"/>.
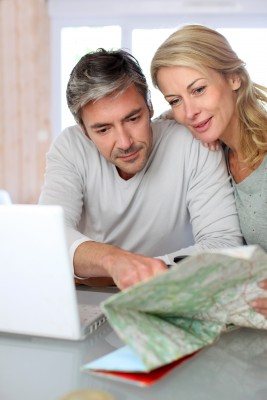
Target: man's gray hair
<point x="101" y="73"/>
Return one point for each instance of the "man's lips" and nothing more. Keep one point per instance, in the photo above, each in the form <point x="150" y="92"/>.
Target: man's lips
<point x="130" y="156"/>
<point x="202" y="126"/>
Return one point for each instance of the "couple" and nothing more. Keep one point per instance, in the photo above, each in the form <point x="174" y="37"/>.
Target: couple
<point x="138" y="193"/>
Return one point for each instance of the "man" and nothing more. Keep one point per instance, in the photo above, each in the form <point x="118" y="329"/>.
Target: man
<point x="136" y="193"/>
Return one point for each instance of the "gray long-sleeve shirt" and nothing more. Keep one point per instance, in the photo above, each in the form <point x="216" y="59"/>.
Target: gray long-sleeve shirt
<point x="179" y="203"/>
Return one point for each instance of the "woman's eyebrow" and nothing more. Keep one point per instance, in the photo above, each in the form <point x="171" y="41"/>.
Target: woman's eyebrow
<point x="188" y="87"/>
<point x="191" y="84"/>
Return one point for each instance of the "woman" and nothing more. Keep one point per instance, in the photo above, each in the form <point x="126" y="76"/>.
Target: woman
<point x="211" y="93"/>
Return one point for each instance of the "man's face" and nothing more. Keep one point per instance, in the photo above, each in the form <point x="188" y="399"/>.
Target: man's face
<point x="119" y="126"/>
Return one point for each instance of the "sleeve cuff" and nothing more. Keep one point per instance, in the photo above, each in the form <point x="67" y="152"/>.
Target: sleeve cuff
<point x="166" y="259"/>
<point x="72" y="251"/>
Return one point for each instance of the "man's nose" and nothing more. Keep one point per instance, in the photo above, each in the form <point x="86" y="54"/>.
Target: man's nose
<point x="124" y="139"/>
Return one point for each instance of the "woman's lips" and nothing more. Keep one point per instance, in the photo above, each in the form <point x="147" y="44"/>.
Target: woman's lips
<point x="203" y="126"/>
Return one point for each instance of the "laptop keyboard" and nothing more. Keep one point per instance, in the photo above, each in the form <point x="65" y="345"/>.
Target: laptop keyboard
<point x="91" y="316"/>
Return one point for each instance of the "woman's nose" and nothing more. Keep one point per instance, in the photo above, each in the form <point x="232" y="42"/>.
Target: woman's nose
<point x="191" y="109"/>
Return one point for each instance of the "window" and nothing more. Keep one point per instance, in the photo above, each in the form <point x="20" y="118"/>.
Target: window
<point x="139" y="27"/>
<point x="250" y="44"/>
<point x="75" y="42"/>
<point x="144" y="44"/>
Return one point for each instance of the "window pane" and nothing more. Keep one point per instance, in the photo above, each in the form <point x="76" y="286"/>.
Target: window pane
<point x="144" y="44"/>
<point x="75" y="42"/>
<point x="251" y="46"/>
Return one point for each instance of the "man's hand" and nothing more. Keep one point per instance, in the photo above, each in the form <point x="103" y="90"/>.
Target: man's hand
<point x="93" y="260"/>
<point x="260" y="305"/>
<point x="127" y="269"/>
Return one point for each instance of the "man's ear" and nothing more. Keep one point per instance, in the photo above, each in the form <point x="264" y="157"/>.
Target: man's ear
<point x="151" y="109"/>
<point x="81" y="125"/>
<point x="234" y="81"/>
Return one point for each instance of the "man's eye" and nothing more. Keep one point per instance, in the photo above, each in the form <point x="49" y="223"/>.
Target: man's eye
<point x="102" y="131"/>
<point x="135" y="118"/>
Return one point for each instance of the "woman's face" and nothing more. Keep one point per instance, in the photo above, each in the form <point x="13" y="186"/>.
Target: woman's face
<point x="205" y="102"/>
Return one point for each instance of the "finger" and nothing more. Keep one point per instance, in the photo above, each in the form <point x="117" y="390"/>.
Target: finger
<point x="127" y="279"/>
<point x="159" y="265"/>
<point x="141" y="274"/>
<point x="146" y="272"/>
<point x="259" y="304"/>
<point x="263" y="284"/>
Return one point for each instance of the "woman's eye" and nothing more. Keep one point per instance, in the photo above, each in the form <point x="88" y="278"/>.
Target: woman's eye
<point x="199" y="90"/>
<point x="175" y="102"/>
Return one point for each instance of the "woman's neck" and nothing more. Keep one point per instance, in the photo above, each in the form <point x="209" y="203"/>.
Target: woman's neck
<point x="232" y="138"/>
<point x="238" y="168"/>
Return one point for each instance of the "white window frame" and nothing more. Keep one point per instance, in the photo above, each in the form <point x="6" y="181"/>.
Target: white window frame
<point x="142" y="14"/>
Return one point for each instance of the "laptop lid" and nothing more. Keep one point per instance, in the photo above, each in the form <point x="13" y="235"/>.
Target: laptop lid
<point x="37" y="290"/>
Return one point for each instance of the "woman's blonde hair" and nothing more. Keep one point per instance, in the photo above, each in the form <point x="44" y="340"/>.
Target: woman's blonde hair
<point x="200" y="47"/>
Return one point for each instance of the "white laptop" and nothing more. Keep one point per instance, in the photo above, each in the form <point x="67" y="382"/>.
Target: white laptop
<point x="37" y="290"/>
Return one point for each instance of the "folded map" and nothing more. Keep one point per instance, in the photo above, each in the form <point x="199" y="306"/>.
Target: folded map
<point x="187" y="307"/>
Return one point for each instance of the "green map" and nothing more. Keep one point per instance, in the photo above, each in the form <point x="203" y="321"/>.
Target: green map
<point x="188" y="306"/>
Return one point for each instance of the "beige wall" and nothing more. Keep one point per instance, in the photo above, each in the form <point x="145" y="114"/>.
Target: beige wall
<point x="25" y="84"/>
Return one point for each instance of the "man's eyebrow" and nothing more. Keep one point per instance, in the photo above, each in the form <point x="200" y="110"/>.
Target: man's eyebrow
<point x="132" y="113"/>
<point x="188" y="87"/>
<point x="98" y="125"/>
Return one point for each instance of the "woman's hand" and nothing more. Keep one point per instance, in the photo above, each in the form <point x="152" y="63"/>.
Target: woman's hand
<point x="213" y="146"/>
<point x="260" y="304"/>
